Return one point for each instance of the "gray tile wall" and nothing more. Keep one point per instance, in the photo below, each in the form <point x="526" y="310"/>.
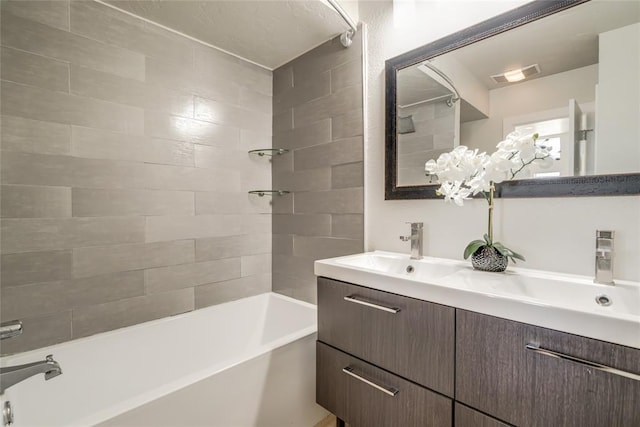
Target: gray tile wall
<point x="125" y="172"/>
<point x="434" y="123"/>
<point x="317" y="114"/>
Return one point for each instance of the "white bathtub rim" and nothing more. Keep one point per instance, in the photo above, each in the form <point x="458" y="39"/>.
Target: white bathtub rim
<point x="125" y="329"/>
<point x="290" y="299"/>
<point x="172" y="386"/>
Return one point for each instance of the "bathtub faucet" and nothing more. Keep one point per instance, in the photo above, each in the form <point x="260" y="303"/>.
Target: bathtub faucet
<point x="12" y="375"/>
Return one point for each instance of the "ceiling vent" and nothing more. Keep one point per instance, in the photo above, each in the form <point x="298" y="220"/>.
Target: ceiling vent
<point x="517" y="75"/>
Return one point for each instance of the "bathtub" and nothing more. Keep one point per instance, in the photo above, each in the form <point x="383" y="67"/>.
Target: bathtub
<point x="249" y="362"/>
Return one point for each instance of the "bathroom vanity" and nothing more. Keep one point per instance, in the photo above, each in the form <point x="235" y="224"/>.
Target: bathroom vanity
<point x="401" y="346"/>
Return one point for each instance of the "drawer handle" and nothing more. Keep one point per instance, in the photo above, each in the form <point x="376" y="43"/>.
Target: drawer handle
<point x="352" y="298"/>
<point x="388" y="390"/>
<point x="537" y="349"/>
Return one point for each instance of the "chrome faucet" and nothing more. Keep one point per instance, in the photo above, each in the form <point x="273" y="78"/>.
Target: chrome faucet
<point x="415" y="238"/>
<point x="12" y="375"/>
<point x="604" y="257"/>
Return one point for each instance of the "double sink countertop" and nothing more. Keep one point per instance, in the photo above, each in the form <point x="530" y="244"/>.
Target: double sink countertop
<point x="564" y="302"/>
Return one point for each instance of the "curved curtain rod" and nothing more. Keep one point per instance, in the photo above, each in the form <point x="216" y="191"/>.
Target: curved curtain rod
<point x="347" y="37"/>
<point x="447" y="79"/>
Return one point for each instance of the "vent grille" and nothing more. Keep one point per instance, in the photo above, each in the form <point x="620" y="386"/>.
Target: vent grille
<point x="528" y="71"/>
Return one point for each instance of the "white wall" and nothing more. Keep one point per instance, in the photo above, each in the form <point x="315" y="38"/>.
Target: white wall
<point x="468" y="85"/>
<point x="524" y="98"/>
<point x="618" y="110"/>
<point x="351" y="7"/>
<point x="554" y="234"/>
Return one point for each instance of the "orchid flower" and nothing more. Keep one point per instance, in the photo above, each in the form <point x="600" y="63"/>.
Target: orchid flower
<point x="463" y="173"/>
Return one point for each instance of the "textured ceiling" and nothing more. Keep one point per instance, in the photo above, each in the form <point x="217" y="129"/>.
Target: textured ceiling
<point x="267" y="32"/>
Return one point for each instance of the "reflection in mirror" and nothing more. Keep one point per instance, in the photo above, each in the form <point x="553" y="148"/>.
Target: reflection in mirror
<point x="571" y="77"/>
<point x="428" y="119"/>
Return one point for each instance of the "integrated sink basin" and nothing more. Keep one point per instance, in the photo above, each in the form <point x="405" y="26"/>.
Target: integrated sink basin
<point x="563" y="302"/>
<point x="397" y="264"/>
<point x="572" y="292"/>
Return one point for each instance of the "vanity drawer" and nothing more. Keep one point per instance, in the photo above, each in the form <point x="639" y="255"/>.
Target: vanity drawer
<point x="467" y="417"/>
<point x="366" y="396"/>
<point x="409" y="337"/>
<point x="497" y="374"/>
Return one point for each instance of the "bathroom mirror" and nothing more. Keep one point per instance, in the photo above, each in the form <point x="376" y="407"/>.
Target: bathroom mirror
<point x="567" y="70"/>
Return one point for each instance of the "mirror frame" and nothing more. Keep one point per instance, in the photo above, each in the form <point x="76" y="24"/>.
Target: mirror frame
<point x="590" y="185"/>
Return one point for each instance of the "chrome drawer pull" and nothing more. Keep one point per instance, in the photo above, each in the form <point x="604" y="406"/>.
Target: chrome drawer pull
<point x="388" y="390"/>
<point x="352" y="298"/>
<point x="594" y="365"/>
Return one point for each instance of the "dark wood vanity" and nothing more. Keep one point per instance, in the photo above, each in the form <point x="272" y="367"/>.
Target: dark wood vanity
<point x="394" y="361"/>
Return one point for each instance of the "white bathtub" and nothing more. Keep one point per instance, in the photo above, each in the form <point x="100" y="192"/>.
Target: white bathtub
<point x="249" y="362"/>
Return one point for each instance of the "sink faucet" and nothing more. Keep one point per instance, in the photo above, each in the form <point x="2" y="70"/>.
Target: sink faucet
<point x="604" y="257"/>
<point x="415" y="238"/>
<point x="12" y="375"/>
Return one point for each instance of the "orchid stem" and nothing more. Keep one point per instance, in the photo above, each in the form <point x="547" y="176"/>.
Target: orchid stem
<point x="524" y="165"/>
<point x="490" y="200"/>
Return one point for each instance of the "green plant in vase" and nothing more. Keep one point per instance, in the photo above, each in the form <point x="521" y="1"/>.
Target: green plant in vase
<point x="463" y="173"/>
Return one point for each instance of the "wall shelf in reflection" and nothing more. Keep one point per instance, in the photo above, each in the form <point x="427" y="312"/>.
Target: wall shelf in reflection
<point x="262" y="193"/>
<point x="270" y="152"/>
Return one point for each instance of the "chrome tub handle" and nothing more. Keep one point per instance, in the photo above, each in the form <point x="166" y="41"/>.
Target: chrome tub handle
<point x="354" y="299"/>
<point x="543" y="351"/>
<point x="388" y="390"/>
<point x="10" y="329"/>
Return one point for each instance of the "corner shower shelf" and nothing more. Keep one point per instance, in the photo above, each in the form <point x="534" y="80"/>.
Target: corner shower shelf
<point x="270" y="152"/>
<point x="262" y="193"/>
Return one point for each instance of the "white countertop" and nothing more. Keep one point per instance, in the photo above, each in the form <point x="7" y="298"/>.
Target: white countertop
<point x="557" y="301"/>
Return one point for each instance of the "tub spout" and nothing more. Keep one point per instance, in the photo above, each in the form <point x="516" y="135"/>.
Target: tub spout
<point x="12" y="375"/>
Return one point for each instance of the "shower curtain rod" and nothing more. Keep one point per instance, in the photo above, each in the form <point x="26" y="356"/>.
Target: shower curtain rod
<point x="347" y="37"/>
<point x="454" y="98"/>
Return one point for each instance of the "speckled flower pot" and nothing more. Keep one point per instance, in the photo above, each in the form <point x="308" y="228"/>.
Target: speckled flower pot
<point x="487" y="258"/>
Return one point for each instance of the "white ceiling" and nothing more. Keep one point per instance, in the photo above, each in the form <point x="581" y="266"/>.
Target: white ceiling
<point x="561" y="42"/>
<point x="267" y="32"/>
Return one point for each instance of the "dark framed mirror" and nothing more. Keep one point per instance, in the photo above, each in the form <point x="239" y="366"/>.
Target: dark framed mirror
<point x="567" y="70"/>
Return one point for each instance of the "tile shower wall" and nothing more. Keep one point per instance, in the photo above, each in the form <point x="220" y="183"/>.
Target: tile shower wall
<point x="317" y="106"/>
<point x="124" y="172"/>
<point x="433" y="135"/>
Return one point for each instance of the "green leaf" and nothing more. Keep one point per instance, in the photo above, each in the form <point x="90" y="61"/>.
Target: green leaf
<point x="473" y="247"/>
<point x="504" y="251"/>
<point x="488" y="240"/>
<point x="518" y="256"/>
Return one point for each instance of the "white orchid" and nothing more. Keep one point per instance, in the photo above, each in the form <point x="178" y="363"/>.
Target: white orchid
<point x="456" y="192"/>
<point x="463" y="173"/>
